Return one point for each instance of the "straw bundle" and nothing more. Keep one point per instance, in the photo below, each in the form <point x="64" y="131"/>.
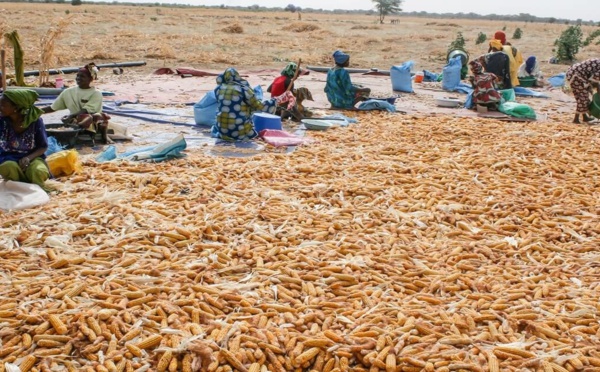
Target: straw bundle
<point x="47" y="42"/>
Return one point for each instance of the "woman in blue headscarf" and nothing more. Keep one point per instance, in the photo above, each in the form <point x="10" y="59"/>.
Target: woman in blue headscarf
<point x="340" y="91"/>
<point x="236" y="102"/>
<point x="530" y="68"/>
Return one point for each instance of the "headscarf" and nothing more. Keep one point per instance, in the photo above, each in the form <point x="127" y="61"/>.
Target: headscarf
<point x="24" y="100"/>
<point x="289" y="70"/>
<point x="91" y="70"/>
<point x="530" y="64"/>
<point x="476" y="67"/>
<point x="496" y="44"/>
<point x="231" y="76"/>
<point x="500" y="35"/>
<point x="340" y="57"/>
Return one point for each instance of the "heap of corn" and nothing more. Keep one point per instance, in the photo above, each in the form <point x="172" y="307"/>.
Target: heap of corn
<point x="396" y="244"/>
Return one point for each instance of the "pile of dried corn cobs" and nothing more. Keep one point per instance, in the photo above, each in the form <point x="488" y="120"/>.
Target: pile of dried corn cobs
<point x="396" y="244"/>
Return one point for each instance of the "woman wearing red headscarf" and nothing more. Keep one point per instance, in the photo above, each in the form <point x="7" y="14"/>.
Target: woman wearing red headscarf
<point x="515" y="56"/>
<point x="84" y="103"/>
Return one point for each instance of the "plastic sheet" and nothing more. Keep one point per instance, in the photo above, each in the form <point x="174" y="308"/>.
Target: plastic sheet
<point x="279" y="138"/>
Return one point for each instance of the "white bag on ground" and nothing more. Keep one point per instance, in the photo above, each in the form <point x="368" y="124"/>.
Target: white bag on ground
<point x="20" y="195"/>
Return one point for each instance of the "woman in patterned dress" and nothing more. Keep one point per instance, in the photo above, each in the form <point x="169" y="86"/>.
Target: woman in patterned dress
<point x="23" y="139"/>
<point x="582" y="78"/>
<point x="483" y="84"/>
<point x="236" y="102"/>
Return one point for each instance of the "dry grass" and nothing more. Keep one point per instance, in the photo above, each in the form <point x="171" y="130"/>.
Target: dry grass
<point x="128" y="33"/>
<point x="47" y="54"/>
<point x="235" y="28"/>
<point x="301" y="27"/>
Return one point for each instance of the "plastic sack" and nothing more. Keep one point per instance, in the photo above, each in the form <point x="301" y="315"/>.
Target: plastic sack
<point x="401" y="78"/>
<point x="508" y="95"/>
<point x="451" y="74"/>
<point x="64" y="163"/>
<point x="205" y="111"/>
<point x="21" y="195"/>
<point x="258" y="92"/>
<point x="53" y="146"/>
<point x="517" y="110"/>
<point x="469" y="101"/>
<point x="557" y="81"/>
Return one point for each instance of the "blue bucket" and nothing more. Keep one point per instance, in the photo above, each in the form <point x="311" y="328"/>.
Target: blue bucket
<point x="262" y="120"/>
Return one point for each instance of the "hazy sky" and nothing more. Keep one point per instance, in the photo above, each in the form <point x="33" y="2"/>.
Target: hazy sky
<point x="572" y="9"/>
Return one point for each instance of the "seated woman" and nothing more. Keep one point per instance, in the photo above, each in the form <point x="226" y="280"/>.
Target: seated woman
<point x="84" y="103"/>
<point x="236" y="102"/>
<point x="484" y="89"/>
<point x="341" y="93"/>
<point x="498" y="63"/>
<point x="280" y="85"/>
<point x="531" y="68"/>
<point x="23" y="140"/>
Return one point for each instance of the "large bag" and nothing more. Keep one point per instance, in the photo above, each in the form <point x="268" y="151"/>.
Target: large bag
<point x="205" y="111"/>
<point x="401" y="78"/>
<point x="451" y="74"/>
<point x="21" y="195"/>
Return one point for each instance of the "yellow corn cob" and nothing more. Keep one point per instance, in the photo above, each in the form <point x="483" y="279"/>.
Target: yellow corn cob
<point x="110" y="366"/>
<point x="254" y="367"/>
<point x="133" y="349"/>
<point x="57" y="324"/>
<point x="233" y="360"/>
<point x="494" y="366"/>
<point x="131" y="335"/>
<point x="186" y="364"/>
<point x="173" y="366"/>
<point x="121" y="365"/>
<point x="390" y="363"/>
<point x="306" y="356"/>
<point x="27" y="363"/>
<point x="164" y="361"/>
<point x="93" y="323"/>
<point x="150" y="342"/>
<point x="26" y="340"/>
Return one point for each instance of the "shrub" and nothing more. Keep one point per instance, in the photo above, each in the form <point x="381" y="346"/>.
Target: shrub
<point x="458" y="43"/>
<point x="518" y="33"/>
<point x="568" y="43"/>
<point x="153" y="19"/>
<point x="481" y="38"/>
<point x="591" y="37"/>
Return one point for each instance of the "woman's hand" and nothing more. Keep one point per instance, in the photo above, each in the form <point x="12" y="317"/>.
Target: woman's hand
<point x="24" y="163"/>
<point x="68" y="119"/>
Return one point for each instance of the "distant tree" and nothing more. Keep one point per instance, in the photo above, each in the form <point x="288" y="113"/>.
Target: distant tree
<point x="76" y="2"/>
<point x="254" y="7"/>
<point x="385" y="7"/>
<point x="290" y="8"/>
<point x="504" y="28"/>
<point x="518" y="33"/>
<point x="481" y="38"/>
<point x="568" y="43"/>
<point x="552" y="20"/>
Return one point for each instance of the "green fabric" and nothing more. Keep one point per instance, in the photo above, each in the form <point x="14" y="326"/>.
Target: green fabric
<point x="289" y="70"/>
<point x="13" y="37"/>
<point x="518" y="110"/>
<point x="25" y="99"/>
<point x="37" y="172"/>
<point x="508" y="95"/>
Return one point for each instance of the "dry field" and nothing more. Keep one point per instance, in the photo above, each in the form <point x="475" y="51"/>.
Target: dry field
<point x="209" y="38"/>
<point x="399" y="244"/>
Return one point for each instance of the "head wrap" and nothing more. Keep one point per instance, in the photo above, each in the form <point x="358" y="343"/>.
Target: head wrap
<point x="340" y="57"/>
<point x="289" y="70"/>
<point x="231" y="76"/>
<point x="91" y="70"/>
<point x="24" y="100"/>
<point x="496" y="44"/>
<point x="476" y="67"/>
<point x="530" y="64"/>
<point x="500" y="35"/>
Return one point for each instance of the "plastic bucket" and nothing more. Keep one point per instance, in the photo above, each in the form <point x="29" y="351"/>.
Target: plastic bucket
<point x="595" y="106"/>
<point x="263" y="120"/>
<point x="527" y="82"/>
<point x="419" y="77"/>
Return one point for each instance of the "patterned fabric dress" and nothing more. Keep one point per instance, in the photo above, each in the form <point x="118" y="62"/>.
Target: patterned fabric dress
<point x="14" y="146"/>
<point x="483" y="84"/>
<point x="580" y="77"/>
<point x="236" y="102"/>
